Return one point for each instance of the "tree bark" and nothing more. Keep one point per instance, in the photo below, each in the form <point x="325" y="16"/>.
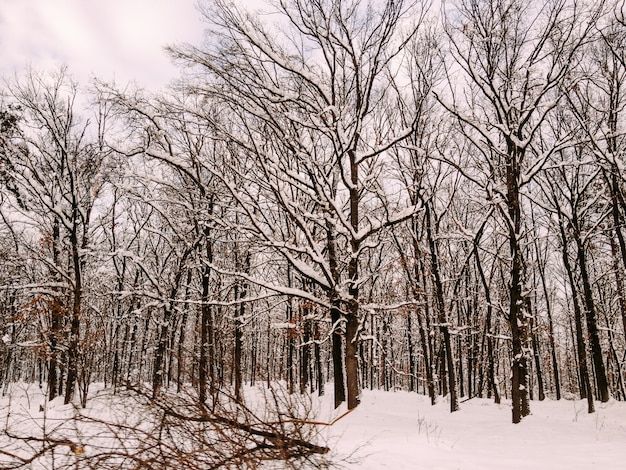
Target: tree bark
<point x="206" y="361"/>
<point x="441" y="311"/>
<point x="352" y="305"/>
<point x="592" y="326"/>
<point x="583" y="371"/>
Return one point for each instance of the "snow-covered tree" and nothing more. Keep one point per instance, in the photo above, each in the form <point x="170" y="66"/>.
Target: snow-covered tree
<point x="513" y="61"/>
<point x="54" y="172"/>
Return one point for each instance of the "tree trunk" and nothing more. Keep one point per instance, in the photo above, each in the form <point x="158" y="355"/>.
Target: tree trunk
<point x="441" y="312"/>
<point x="158" y="370"/>
<point x="132" y="346"/>
<point x="55" y="311"/>
<point x="240" y="293"/>
<point x="181" y="337"/>
<point x="238" y="353"/>
<point x="583" y="371"/>
<point x="619" y="274"/>
<point x="206" y="372"/>
<point x="517" y="318"/>
<point x="411" y="353"/>
<point x="337" y="320"/>
<point x="555" y="364"/>
<point x="238" y="346"/>
<point x="290" y="339"/>
<point x="337" y="354"/>
<point x="537" y="357"/>
<point x="618" y="364"/>
<point x="305" y="348"/>
<point x="352" y="307"/>
<point x="73" y="340"/>
<point x="53" y="358"/>
<point x="592" y="327"/>
<point x="318" y="361"/>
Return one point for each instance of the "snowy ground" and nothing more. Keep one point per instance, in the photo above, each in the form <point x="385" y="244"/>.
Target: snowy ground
<point x="402" y="431"/>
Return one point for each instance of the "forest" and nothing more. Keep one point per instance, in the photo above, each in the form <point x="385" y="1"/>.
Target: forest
<point x="336" y="195"/>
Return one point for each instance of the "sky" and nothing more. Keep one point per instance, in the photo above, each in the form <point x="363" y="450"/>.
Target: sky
<point x="119" y="40"/>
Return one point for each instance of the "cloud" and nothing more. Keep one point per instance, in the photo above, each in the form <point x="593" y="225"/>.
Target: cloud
<point x="114" y="38"/>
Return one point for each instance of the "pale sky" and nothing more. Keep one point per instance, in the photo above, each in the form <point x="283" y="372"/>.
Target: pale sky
<point x="120" y="39"/>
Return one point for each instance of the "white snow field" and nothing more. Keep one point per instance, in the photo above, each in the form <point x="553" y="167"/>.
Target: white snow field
<point x="389" y="430"/>
<point x="403" y="431"/>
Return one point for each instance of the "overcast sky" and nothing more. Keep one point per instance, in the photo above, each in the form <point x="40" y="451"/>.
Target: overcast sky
<point x="121" y="39"/>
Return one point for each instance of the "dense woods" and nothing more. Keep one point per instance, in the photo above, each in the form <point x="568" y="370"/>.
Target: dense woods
<point x="386" y="194"/>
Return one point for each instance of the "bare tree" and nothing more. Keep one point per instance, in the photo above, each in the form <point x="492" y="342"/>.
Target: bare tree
<point x="316" y="99"/>
<point x="517" y="58"/>
<point x="55" y="169"/>
<point x="598" y="105"/>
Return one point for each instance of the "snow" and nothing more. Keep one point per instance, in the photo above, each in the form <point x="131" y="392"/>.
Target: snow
<point x="401" y="430"/>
